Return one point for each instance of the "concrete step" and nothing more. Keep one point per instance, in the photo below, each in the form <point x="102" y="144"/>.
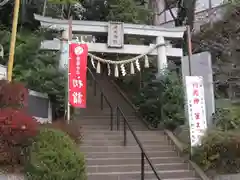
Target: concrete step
<point x="106" y="122"/>
<point x="95" y="112"/>
<point x="146" y="140"/>
<point x="95" y="120"/>
<point x="107" y="142"/>
<point x="107" y="127"/>
<point x="98" y="112"/>
<point x="131" y="160"/>
<point x="102" y="120"/>
<point x="129" y="154"/>
<point x="135" y="167"/>
<point x="93" y="117"/>
<point x="115" y="132"/>
<point x="119" y="148"/>
<point x="189" y="178"/>
<point x="136" y="175"/>
<point x="142" y="137"/>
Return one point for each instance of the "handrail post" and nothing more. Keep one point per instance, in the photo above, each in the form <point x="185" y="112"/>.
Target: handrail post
<point x="95" y="88"/>
<point x="142" y="165"/>
<point x="117" y="118"/>
<point x="101" y="100"/>
<point x="111" y="118"/>
<point x="124" y="132"/>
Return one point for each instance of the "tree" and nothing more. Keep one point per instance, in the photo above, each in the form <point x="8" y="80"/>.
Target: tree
<point x="63" y="8"/>
<point x="28" y="8"/>
<point x="129" y="11"/>
<point x="36" y="68"/>
<point x="222" y="39"/>
<point x="126" y="11"/>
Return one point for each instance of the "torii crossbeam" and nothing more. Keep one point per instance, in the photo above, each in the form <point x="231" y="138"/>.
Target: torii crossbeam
<point x="157" y="33"/>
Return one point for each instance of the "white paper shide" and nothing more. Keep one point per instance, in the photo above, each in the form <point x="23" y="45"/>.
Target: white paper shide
<point x="196" y="108"/>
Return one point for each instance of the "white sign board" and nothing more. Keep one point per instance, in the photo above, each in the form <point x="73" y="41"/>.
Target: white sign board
<point x="3" y="72"/>
<point x="196" y="108"/>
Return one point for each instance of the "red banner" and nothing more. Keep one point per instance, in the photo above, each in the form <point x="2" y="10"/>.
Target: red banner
<point x="78" y="54"/>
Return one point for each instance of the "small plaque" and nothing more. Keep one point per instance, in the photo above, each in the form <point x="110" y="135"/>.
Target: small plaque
<point x="115" y="35"/>
<point x="84" y="38"/>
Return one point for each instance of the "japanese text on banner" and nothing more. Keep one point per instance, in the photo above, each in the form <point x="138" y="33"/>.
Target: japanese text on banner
<point x="196" y="108"/>
<point x="77" y="74"/>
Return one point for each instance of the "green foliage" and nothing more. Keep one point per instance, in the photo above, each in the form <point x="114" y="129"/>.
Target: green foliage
<point x="220" y="151"/>
<point x="54" y="156"/>
<point x="126" y="11"/>
<point x="227" y="118"/>
<point x="26" y="18"/>
<point x="63" y="1"/>
<point x="161" y="101"/>
<point x="220" y="146"/>
<point x="72" y="129"/>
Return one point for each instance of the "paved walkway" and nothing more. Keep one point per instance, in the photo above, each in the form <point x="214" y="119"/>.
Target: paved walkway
<point x="11" y="177"/>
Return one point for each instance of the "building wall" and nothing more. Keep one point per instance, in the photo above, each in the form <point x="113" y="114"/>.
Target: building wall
<point x="3" y="72"/>
<point x="206" y="11"/>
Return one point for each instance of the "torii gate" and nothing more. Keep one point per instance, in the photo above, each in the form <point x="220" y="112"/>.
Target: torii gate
<point x="115" y="44"/>
<point x="116" y="32"/>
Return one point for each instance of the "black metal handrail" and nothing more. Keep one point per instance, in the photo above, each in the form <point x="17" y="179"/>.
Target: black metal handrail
<point x="102" y="97"/>
<point x="143" y="152"/>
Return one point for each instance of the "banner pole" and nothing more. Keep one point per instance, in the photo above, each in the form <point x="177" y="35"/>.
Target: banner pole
<point x="189" y="46"/>
<point x="69" y="41"/>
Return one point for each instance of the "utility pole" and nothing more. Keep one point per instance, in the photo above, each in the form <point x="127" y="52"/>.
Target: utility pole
<point x="13" y="40"/>
<point x="189" y="46"/>
<point x="69" y="41"/>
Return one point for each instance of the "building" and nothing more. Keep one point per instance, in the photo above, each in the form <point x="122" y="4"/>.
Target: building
<point x="207" y="11"/>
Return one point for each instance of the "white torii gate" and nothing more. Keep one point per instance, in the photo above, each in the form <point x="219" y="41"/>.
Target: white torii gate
<point x="116" y="32"/>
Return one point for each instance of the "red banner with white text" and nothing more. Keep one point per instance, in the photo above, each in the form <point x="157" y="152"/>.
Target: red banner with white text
<point x="78" y="54"/>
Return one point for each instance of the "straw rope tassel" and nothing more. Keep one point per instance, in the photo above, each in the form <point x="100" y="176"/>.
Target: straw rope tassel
<point x="138" y="65"/>
<point x="98" y="67"/>
<point x="93" y="64"/>
<point x="132" y="70"/>
<point x="116" y="71"/>
<point x="109" y="69"/>
<point x="146" y="62"/>
<point x="123" y="70"/>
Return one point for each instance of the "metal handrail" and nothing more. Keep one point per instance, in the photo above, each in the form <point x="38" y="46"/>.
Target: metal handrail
<point x="143" y="152"/>
<point x="102" y="97"/>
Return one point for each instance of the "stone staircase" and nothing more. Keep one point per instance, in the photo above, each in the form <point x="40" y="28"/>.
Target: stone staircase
<point x="106" y="156"/>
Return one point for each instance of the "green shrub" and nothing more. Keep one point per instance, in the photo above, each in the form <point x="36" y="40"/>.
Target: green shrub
<point x="54" y="156"/>
<point x="220" y="151"/>
<point x="162" y="101"/>
<point x="72" y="129"/>
<point x="227" y="118"/>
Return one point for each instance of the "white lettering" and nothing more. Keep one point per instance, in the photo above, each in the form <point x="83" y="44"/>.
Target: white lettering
<point x="77" y="83"/>
<point x="77" y="97"/>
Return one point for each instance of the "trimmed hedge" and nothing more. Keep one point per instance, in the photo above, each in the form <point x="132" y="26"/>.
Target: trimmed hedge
<point x="73" y="129"/>
<point x="54" y="156"/>
<point x="220" y="151"/>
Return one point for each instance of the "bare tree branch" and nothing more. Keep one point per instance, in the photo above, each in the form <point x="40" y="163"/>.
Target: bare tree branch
<point x="4" y="2"/>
